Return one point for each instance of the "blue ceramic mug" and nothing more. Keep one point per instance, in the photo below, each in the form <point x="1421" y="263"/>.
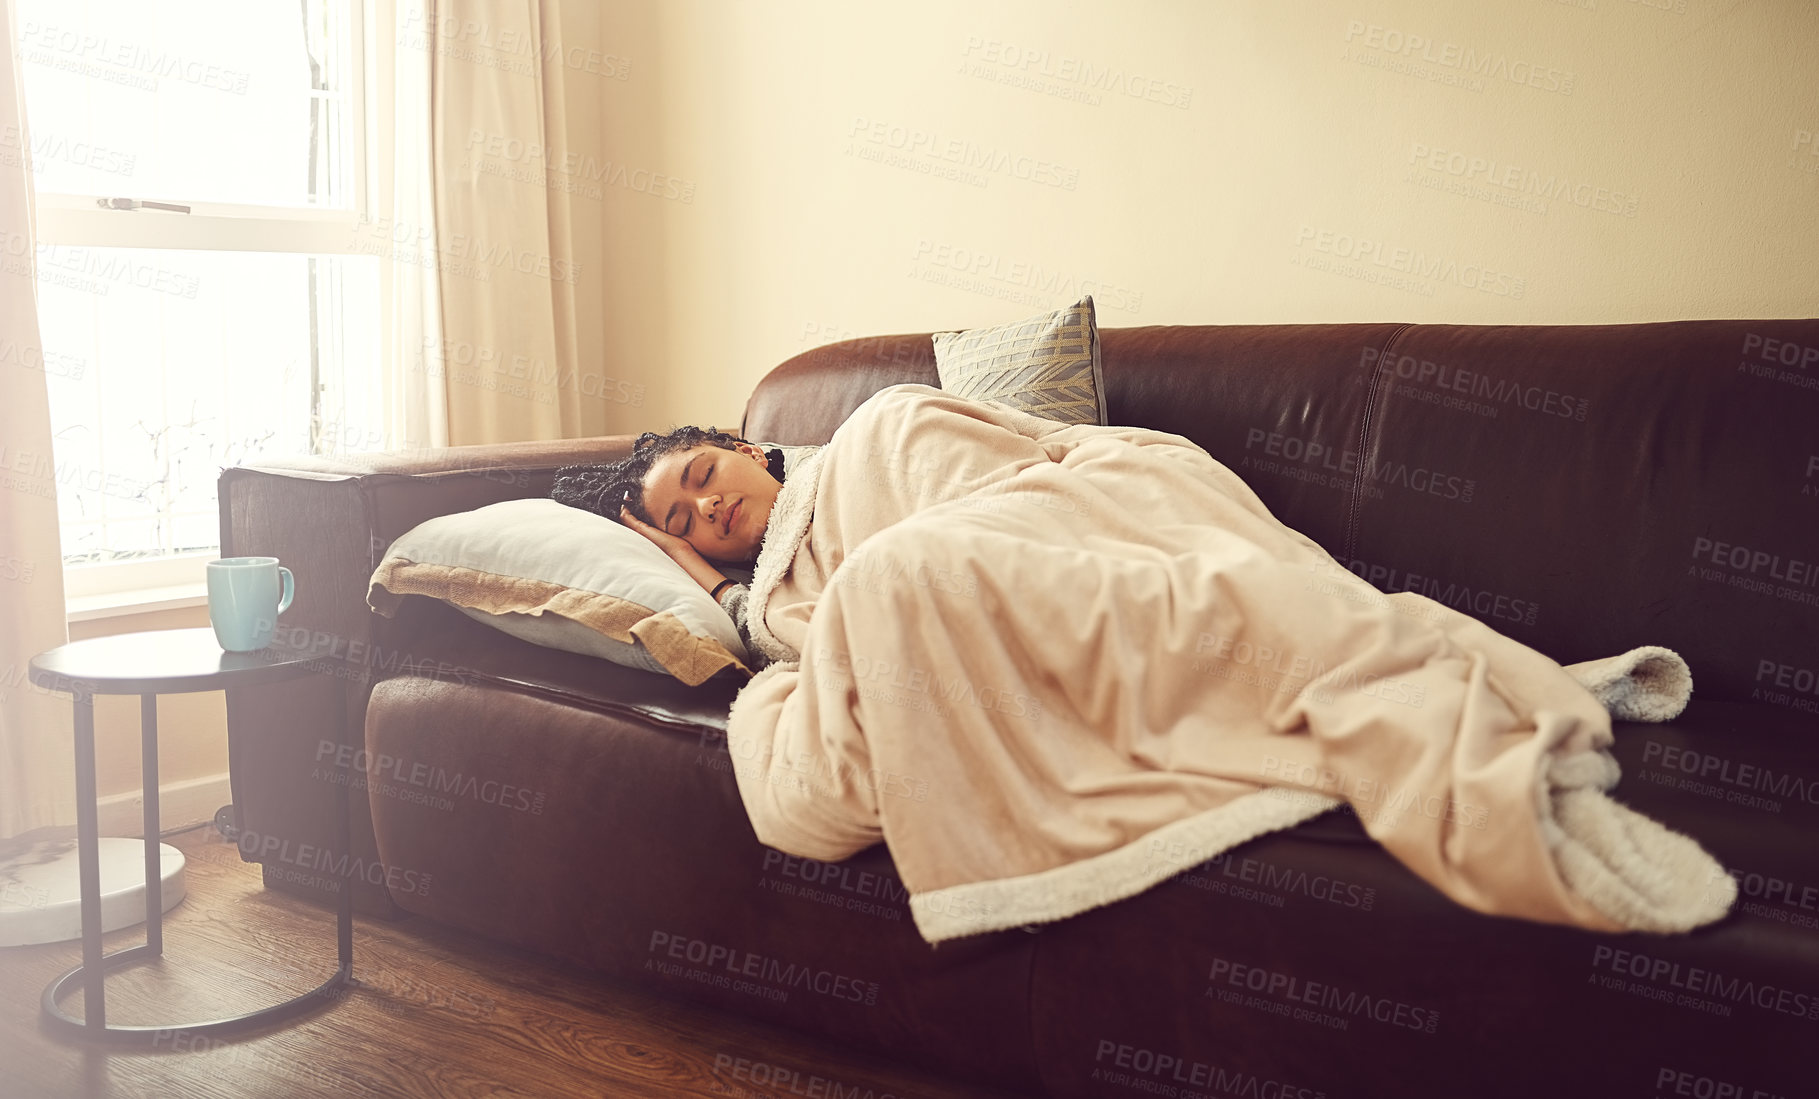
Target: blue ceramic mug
<point x="245" y="597"/>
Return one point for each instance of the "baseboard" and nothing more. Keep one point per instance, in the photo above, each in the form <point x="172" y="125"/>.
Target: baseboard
<point x="180" y="804"/>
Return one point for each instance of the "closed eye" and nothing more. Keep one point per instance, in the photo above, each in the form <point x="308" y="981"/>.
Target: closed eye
<point x="707" y="476"/>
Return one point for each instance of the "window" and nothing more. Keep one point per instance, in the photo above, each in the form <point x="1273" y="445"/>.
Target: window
<point x="243" y="321"/>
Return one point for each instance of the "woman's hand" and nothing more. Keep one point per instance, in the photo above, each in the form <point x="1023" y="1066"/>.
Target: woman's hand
<point x="678" y="548"/>
<point x="699" y="569"/>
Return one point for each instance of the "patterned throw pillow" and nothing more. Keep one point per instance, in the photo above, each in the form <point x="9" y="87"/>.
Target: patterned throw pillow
<point x="1046" y="366"/>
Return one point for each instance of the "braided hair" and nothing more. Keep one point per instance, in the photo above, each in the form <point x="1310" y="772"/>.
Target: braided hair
<point x="602" y="488"/>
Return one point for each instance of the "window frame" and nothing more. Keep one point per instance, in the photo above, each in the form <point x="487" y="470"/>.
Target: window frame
<point x="72" y="220"/>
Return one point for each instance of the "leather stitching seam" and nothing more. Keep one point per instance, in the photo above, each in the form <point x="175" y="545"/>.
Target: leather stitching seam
<point x="1366" y="424"/>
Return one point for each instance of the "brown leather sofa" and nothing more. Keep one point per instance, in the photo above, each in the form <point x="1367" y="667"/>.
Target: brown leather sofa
<point x="1583" y="489"/>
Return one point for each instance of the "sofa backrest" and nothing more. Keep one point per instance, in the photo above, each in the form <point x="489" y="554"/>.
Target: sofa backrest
<point x="1583" y="489"/>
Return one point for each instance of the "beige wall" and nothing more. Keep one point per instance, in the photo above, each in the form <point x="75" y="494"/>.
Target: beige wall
<point x="1610" y="161"/>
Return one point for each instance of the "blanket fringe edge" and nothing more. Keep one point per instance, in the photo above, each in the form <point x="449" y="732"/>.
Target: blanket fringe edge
<point x="790" y="515"/>
<point x="974" y="908"/>
<point x="1633" y="870"/>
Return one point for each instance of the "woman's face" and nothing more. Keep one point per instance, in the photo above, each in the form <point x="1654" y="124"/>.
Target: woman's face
<point x="717" y="500"/>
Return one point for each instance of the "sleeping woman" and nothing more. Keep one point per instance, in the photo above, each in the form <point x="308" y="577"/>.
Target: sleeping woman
<point x="704" y="497"/>
<point x="1053" y="665"/>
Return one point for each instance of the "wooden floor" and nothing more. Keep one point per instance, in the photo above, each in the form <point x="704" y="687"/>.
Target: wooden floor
<point x="436" y="1013"/>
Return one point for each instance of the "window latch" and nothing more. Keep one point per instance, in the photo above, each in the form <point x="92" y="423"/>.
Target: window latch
<point x="136" y="204"/>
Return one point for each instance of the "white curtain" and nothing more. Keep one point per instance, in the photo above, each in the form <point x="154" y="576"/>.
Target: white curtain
<point x="413" y="386"/>
<point x="480" y="282"/>
<point x="500" y="138"/>
<point x="37" y="768"/>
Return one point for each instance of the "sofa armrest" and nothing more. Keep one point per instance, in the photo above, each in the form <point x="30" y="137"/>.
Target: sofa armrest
<point x="478" y="460"/>
<point x="329" y="520"/>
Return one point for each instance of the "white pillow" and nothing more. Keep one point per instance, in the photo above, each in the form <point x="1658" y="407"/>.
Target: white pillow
<point x="566" y="579"/>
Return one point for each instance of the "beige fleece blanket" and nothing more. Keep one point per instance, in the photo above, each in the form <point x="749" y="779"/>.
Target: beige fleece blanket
<point x="1053" y="665"/>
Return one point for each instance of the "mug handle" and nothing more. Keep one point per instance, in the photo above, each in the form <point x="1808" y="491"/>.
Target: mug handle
<point x="290" y="588"/>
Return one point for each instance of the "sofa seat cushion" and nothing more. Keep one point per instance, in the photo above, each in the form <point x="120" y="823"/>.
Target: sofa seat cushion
<point x="623" y="849"/>
<point x="1742" y="778"/>
<point x="1424" y="987"/>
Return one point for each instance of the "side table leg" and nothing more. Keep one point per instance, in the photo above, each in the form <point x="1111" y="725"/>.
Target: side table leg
<point x="88" y="844"/>
<point x="154" y="860"/>
<point x="344" y="918"/>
